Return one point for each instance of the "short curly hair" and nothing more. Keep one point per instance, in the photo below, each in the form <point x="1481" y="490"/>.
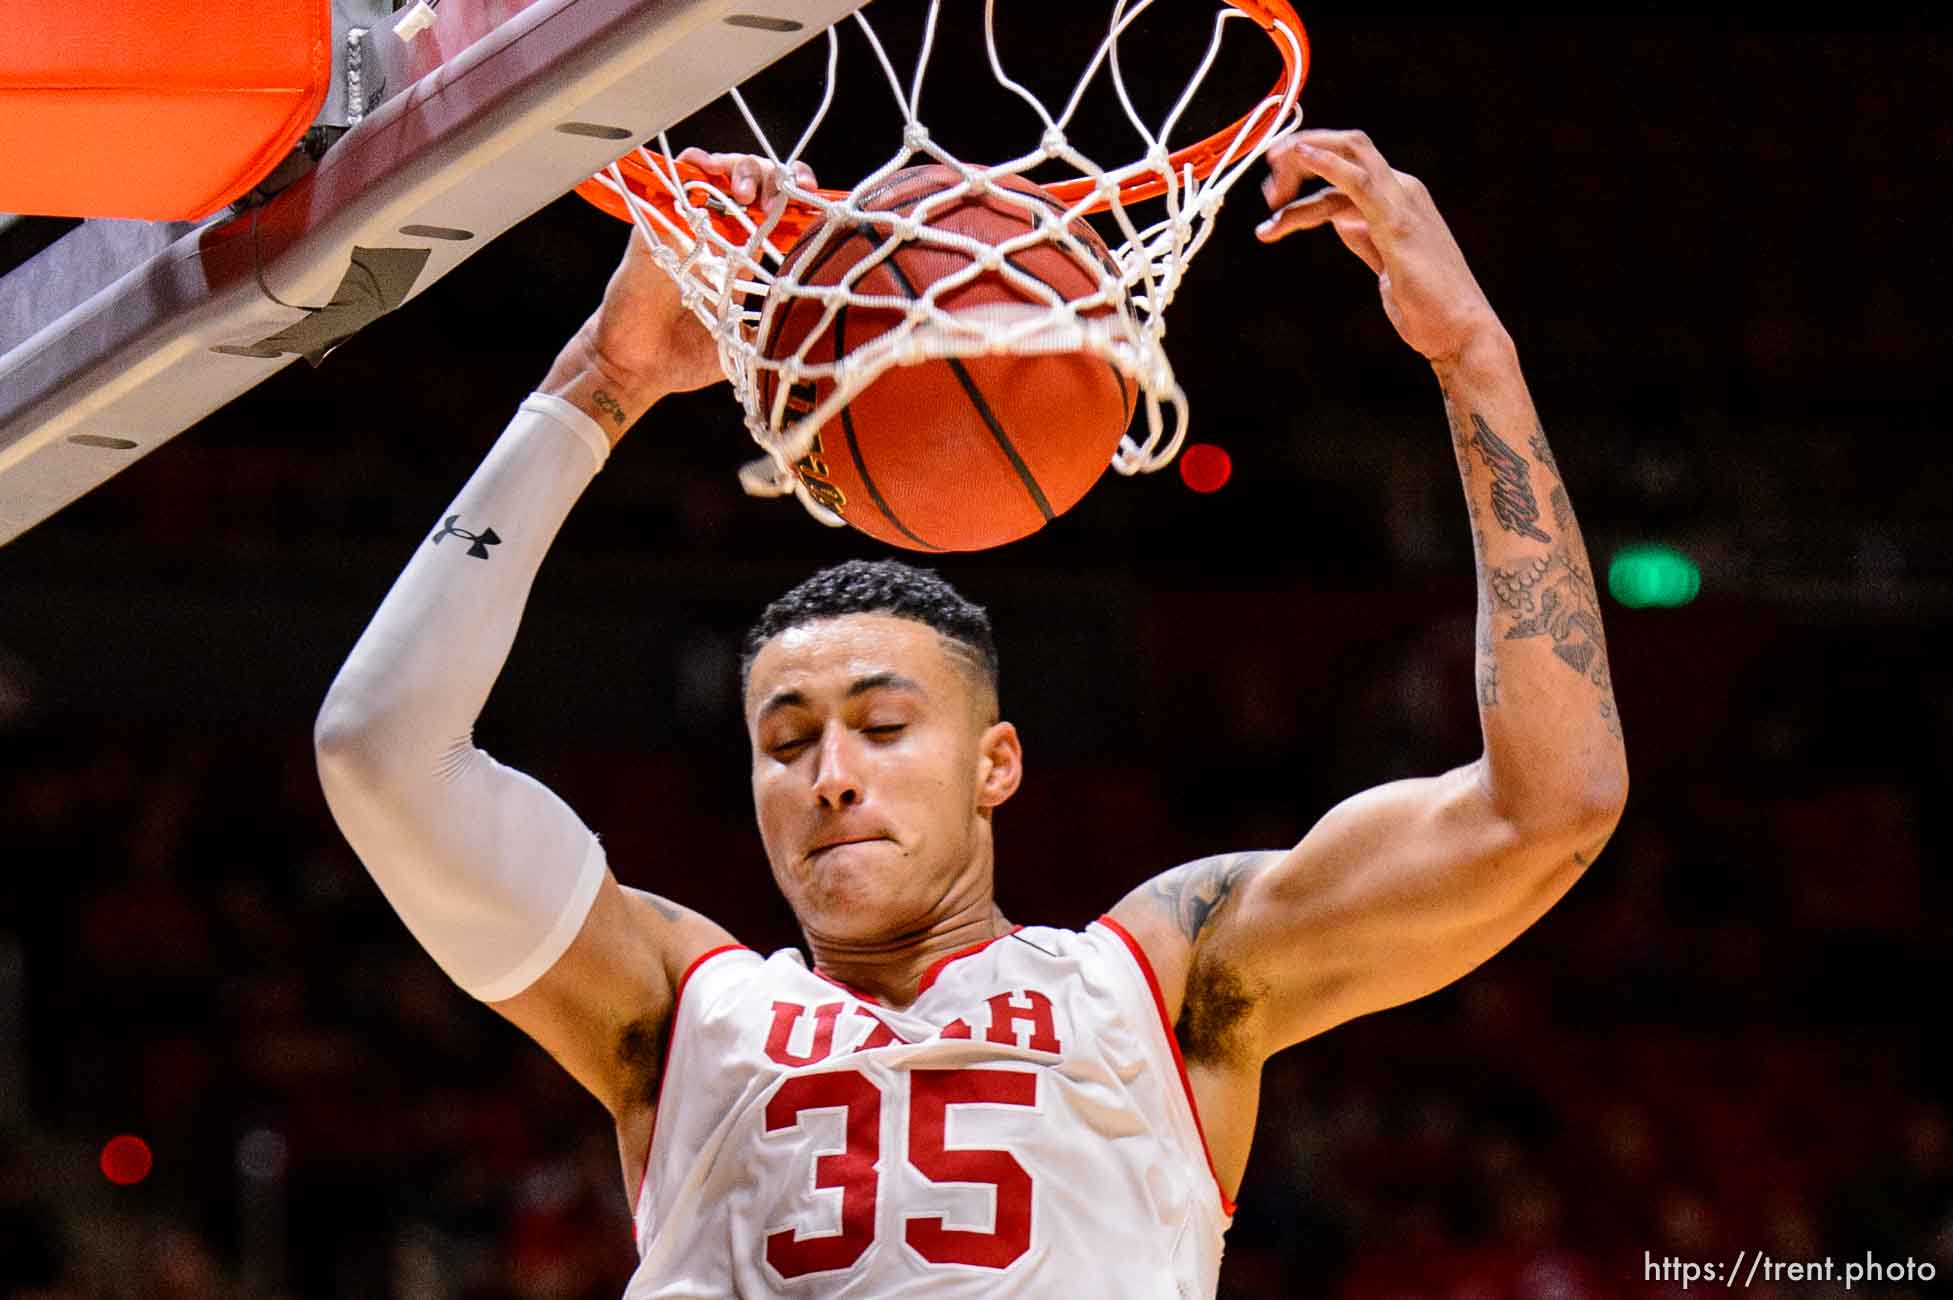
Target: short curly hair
<point x="882" y="587"/>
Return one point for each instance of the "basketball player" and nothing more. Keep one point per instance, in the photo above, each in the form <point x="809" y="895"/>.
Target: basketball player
<point x="944" y="1103"/>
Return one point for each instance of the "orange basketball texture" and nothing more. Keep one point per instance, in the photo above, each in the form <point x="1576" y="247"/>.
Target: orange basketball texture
<point x="954" y="454"/>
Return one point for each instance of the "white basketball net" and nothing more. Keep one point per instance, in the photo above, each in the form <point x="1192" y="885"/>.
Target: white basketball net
<point x="737" y="287"/>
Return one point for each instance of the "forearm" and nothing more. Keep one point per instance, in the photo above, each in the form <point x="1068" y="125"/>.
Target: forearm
<point x="1553" y="745"/>
<point x="439" y="640"/>
<point x="489" y="869"/>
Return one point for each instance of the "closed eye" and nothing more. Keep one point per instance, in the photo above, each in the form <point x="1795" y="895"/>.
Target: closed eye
<point x="786" y="751"/>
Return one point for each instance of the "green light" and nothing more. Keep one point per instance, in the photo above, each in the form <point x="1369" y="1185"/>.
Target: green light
<point x="1651" y="575"/>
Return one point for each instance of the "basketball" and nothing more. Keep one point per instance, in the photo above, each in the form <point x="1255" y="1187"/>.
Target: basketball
<point x="955" y="454"/>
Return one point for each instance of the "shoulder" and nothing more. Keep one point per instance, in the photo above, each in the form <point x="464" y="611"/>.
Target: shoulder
<point x="1190" y="896"/>
<point x="1180" y="920"/>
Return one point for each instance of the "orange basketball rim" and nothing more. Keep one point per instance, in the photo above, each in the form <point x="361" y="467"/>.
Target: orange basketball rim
<point x="1272" y="16"/>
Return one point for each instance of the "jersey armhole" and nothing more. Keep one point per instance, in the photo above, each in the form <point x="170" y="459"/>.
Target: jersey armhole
<point x="665" y="1072"/>
<point x="1173" y="1044"/>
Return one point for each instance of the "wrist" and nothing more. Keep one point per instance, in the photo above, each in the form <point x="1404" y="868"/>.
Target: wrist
<point x="1488" y="354"/>
<point x="614" y="400"/>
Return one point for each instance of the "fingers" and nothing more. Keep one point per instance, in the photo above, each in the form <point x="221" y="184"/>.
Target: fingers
<point x="1287" y="173"/>
<point x="1306" y="213"/>
<point x="740" y="175"/>
<point x="1325" y="208"/>
<point x="746" y="178"/>
<point x="1347" y="160"/>
<point x="1370" y="205"/>
<point x="1355" y="234"/>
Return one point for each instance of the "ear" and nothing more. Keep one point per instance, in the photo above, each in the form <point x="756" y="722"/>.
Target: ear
<point x="1000" y="764"/>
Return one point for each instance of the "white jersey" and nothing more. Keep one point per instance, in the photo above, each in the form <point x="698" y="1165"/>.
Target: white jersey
<point x="1023" y="1129"/>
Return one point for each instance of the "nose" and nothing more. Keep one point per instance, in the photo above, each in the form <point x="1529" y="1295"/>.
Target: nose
<point x="837" y="779"/>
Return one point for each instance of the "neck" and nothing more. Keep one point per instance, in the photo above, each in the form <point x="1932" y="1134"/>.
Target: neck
<point x="890" y="968"/>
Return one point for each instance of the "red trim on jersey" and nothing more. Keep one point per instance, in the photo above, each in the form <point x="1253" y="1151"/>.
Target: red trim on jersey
<point x="637" y="1201"/>
<point x="936" y="967"/>
<point x="1172" y="1041"/>
<point x="928" y="976"/>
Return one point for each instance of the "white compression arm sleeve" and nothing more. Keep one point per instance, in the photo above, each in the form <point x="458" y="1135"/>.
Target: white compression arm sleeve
<point x="492" y="872"/>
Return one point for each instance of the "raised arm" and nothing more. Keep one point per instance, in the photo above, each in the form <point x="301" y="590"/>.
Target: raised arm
<point x="494" y="874"/>
<point x="1404" y="888"/>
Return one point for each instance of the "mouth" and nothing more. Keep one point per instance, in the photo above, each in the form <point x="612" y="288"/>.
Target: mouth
<point x="843" y="843"/>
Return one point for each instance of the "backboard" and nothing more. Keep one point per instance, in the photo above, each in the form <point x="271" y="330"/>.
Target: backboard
<point x="122" y="334"/>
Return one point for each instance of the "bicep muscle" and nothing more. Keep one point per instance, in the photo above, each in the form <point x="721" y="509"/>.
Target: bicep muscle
<point x="1395" y="893"/>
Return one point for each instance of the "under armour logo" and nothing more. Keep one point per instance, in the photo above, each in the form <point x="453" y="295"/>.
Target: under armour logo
<point x="482" y="540"/>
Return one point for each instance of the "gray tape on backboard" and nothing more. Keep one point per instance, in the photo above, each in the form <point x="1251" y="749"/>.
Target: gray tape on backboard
<point x="378" y="280"/>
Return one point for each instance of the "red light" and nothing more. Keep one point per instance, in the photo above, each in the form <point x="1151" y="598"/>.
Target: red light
<point x="1205" y="467"/>
<point x="125" y="1160"/>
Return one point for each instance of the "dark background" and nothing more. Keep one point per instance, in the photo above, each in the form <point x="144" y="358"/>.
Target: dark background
<point x="1720" y="245"/>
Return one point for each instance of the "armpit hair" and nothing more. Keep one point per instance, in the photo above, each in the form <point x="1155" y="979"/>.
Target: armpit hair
<point x="1213" y="1025"/>
<point x="640" y="1050"/>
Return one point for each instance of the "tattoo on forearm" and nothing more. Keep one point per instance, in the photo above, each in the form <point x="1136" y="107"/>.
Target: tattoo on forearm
<point x="1567" y="610"/>
<point x="1193" y="893"/>
<point x="1550" y="595"/>
<point x="1544" y="454"/>
<point x="1562" y="509"/>
<point x="664" y="907"/>
<point x="608" y="405"/>
<point x="1554" y="597"/>
<point x="1513" y="502"/>
<point x="1513" y="588"/>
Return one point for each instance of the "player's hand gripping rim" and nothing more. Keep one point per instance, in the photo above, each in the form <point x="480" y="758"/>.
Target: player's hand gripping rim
<point x="747" y="178"/>
<point x="642" y="336"/>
